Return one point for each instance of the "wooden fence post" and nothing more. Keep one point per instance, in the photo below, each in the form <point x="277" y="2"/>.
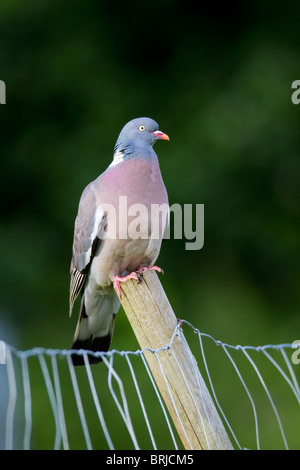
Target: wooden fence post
<point x="175" y="370"/>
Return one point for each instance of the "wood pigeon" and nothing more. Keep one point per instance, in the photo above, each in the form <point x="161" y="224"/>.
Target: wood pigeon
<point x="105" y="251"/>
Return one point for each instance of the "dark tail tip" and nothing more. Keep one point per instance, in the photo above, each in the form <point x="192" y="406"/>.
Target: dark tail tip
<point x="97" y="344"/>
<point x="78" y="359"/>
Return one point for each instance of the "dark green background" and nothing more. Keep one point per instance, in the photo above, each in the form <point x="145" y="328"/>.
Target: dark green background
<point x="217" y="78"/>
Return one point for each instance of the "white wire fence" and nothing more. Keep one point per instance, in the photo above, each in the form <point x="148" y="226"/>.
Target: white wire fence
<point x="46" y="403"/>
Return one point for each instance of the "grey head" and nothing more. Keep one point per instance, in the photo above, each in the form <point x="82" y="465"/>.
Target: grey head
<point x="138" y="133"/>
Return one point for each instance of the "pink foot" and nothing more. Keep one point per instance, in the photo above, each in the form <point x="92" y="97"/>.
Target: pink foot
<point x="118" y="280"/>
<point x="134" y="275"/>
<point x="143" y="269"/>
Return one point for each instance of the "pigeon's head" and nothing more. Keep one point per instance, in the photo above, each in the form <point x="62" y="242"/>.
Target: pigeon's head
<point x="142" y="131"/>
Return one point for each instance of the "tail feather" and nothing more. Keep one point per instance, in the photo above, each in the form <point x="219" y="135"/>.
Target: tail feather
<point x="90" y="334"/>
<point x="90" y="344"/>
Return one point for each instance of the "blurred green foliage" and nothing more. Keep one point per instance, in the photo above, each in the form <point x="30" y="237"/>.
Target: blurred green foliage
<point x="218" y="81"/>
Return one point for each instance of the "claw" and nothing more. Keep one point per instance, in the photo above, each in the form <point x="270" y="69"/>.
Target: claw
<point x="143" y="269"/>
<point x="137" y="275"/>
<point x="118" y="280"/>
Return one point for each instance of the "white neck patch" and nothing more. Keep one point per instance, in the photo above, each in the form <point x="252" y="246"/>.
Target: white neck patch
<point x="118" y="158"/>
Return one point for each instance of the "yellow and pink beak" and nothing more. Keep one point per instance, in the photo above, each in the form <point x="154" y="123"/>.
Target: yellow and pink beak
<point x="160" y="135"/>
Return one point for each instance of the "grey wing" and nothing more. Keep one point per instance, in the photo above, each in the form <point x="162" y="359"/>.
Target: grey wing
<point x="88" y="231"/>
